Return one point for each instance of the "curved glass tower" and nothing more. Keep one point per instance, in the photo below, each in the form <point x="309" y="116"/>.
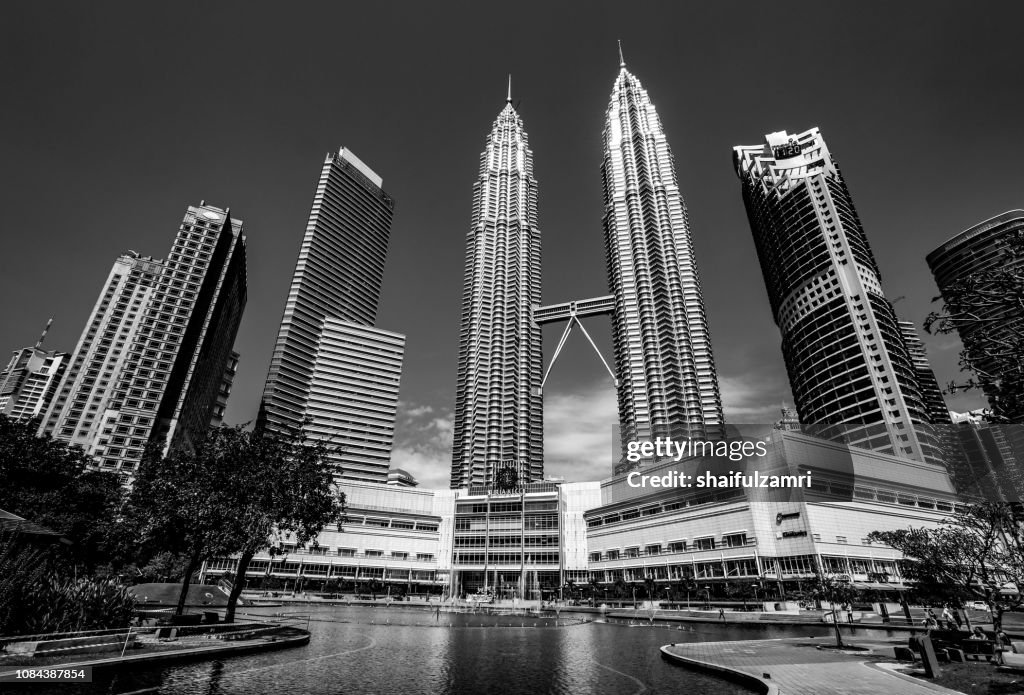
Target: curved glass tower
<point x="498" y="406"/>
<point x="990" y="337"/>
<point x="848" y="362"/>
<point x="664" y="366"/>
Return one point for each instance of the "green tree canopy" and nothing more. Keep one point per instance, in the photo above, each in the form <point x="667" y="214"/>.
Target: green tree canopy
<point x="48" y="482"/>
<point x="976" y="555"/>
<point x="235" y="492"/>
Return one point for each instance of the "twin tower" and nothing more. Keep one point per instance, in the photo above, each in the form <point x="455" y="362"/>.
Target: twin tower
<point x="664" y="370"/>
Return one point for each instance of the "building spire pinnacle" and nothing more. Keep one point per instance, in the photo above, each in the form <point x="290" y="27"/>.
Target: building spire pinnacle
<point x="45" y="330"/>
<point x="508" y="98"/>
<point x="622" y="61"/>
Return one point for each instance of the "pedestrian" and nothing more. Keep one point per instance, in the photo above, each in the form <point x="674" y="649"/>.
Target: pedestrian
<point x="978" y="633"/>
<point x="1003" y="640"/>
<point x="959" y="620"/>
<point x="721" y="614"/>
<point x="947" y="617"/>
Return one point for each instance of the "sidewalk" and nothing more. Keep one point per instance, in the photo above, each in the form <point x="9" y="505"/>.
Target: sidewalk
<point x="794" y="667"/>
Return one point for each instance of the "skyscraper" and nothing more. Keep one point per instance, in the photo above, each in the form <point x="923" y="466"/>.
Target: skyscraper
<point x="980" y="282"/>
<point x="353" y="397"/>
<point x="667" y="382"/>
<point x="150" y="363"/>
<point x="330" y="365"/>
<point x="338" y="275"/>
<point x="931" y="394"/>
<point x="498" y="404"/>
<point x="30" y="380"/>
<point x="848" y="362"/>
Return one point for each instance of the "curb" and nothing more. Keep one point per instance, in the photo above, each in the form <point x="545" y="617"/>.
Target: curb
<point x="764" y="686"/>
<point x="136" y="660"/>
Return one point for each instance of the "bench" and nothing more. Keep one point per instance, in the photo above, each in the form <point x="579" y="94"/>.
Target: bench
<point x="976" y="647"/>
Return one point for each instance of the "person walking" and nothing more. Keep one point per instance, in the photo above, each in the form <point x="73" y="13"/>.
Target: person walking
<point x="947" y="617"/>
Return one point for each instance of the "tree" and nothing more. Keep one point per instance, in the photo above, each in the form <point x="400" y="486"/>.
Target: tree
<point x="183" y="503"/>
<point x="987" y="310"/>
<point x="649" y="586"/>
<point x="235" y="492"/>
<point x="287" y="489"/>
<point x="48" y="482"/>
<point x="976" y="555"/>
<point x="836" y="590"/>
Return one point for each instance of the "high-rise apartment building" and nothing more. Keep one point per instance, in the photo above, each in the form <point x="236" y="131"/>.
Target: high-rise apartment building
<point x="353" y="397"/>
<point x="991" y="323"/>
<point x="667" y="382"/>
<point x="226" y="384"/>
<point x="338" y="275"/>
<point x="150" y="363"/>
<point x="991" y="460"/>
<point x="332" y="372"/>
<point x="29" y="381"/>
<point x="498" y="403"/>
<point x="931" y="393"/>
<point x="847" y="359"/>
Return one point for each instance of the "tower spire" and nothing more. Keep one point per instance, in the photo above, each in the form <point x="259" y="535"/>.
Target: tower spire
<point x="508" y="98"/>
<point x="622" y="61"/>
<point x="45" y="330"/>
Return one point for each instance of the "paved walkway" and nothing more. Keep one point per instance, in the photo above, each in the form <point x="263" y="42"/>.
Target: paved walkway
<point x="795" y="667"/>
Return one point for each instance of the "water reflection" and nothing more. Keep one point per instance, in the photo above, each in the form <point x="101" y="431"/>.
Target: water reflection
<point x="366" y="650"/>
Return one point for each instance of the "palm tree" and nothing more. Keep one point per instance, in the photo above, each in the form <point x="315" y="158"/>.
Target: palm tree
<point x="649" y="585"/>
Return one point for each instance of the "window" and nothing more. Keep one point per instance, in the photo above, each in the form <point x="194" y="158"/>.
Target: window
<point x="633" y="552"/>
<point x="595" y="557"/>
<point x="613" y="554"/>
<point x="677" y="547"/>
<point x="654" y="549"/>
<point x="734" y="540"/>
<point x="704" y="543"/>
<point x="374" y="553"/>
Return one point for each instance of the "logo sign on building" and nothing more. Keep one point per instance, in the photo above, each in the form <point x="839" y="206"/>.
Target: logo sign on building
<point x="780" y="517"/>
<point x="790" y="149"/>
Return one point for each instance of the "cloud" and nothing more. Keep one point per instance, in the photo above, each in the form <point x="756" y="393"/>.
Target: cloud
<point x="578" y="430"/>
<point x="755" y="397"/>
<point x="423" y="444"/>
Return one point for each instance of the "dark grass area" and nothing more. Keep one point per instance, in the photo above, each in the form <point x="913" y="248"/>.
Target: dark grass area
<point x="976" y="679"/>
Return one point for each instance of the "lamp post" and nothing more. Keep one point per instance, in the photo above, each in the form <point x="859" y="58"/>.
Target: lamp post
<point x="707" y="597"/>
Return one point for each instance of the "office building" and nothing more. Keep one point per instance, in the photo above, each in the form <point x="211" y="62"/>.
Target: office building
<point x="848" y="363"/>
<point x="991" y="325"/>
<point x="931" y="393"/>
<point x="226" y="384"/>
<point x="29" y="381"/>
<point x="337" y="275"/>
<point x="667" y="384"/>
<point x="498" y="404"/>
<point x="616" y="538"/>
<point x="712" y="538"/>
<point x="991" y="461"/>
<point x="150" y="364"/>
<point x="353" y="397"/>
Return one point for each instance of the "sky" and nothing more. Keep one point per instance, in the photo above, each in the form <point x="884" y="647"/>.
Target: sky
<point x="117" y="116"/>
